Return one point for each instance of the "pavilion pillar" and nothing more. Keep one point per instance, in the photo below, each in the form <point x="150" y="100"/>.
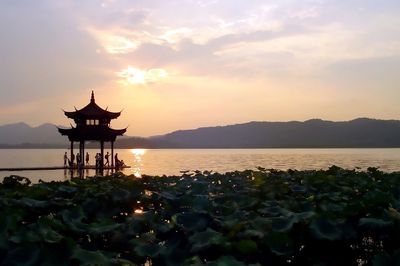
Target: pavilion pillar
<point x="102" y="154"/>
<point x="80" y="151"/>
<point x="80" y="154"/>
<point x="112" y="153"/>
<point x="72" y="153"/>
<point x="83" y="153"/>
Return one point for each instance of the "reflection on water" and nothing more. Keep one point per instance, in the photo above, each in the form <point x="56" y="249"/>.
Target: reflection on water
<point x="137" y="161"/>
<point x="138" y="211"/>
<point x="172" y="162"/>
<point x="82" y="173"/>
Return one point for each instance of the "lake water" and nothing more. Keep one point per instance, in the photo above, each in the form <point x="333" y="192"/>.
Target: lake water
<point x="172" y="161"/>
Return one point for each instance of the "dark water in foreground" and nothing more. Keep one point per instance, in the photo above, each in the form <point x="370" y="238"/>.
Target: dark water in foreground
<point x="172" y="161"/>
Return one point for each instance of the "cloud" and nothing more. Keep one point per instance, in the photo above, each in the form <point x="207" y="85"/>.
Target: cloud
<point x="43" y="56"/>
<point x="213" y="49"/>
<point x="366" y="74"/>
<point x="114" y="44"/>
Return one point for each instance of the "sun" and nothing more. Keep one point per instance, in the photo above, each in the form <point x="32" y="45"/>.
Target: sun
<point x="136" y="76"/>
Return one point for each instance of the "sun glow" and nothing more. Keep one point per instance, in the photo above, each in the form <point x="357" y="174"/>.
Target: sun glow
<point x="138" y="152"/>
<point x="136" y="76"/>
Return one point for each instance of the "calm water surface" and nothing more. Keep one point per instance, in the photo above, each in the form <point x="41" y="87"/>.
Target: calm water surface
<point x="172" y="161"/>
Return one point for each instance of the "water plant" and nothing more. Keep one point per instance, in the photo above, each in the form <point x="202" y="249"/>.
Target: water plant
<point x="252" y="217"/>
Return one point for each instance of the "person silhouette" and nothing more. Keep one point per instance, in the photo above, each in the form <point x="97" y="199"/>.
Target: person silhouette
<point x="78" y="159"/>
<point x="87" y="158"/>
<point x="116" y="160"/>
<point x="65" y="159"/>
<point x="107" y="161"/>
<point x="98" y="160"/>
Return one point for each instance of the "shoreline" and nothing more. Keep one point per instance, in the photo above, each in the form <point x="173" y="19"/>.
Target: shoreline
<point x="65" y="147"/>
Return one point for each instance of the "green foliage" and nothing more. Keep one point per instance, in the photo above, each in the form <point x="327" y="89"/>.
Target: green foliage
<point x="262" y="217"/>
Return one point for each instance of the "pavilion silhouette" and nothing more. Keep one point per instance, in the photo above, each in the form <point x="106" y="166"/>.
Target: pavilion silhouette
<point x="92" y="124"/>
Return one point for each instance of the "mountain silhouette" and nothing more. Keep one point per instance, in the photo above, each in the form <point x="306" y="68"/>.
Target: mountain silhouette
<point x="18" y="133"/>
<point x="314" y="133"/>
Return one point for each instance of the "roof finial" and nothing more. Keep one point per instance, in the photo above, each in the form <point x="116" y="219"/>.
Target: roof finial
<point x="92" y="98"/>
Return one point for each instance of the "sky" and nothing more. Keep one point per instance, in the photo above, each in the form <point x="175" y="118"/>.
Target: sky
<point x="182" y="64"/>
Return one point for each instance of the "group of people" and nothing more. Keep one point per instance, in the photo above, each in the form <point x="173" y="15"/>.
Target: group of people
<point x="69" y="162"/>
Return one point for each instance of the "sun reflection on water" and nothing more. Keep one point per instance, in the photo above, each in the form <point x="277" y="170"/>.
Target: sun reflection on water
<point x="138" y="152"/>
<point x="138" y="211"/>
<point x="138" y="161"/>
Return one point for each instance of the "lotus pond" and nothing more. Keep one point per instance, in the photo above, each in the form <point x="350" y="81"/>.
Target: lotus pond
<point x="262" y="217"/>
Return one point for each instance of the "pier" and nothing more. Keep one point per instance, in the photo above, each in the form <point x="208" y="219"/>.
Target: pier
<point x="41" y="168"/>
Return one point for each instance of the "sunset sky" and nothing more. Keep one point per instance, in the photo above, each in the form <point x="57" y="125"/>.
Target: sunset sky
<point x="191" y="63"/>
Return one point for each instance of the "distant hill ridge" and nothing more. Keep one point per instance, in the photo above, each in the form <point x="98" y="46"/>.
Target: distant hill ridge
<point x="18" y="133"/>
<point x="314" y="133"/>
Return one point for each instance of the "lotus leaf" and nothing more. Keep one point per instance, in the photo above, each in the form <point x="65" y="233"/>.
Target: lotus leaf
<point x="204" y="240"/>
<point x="103" y="226"/>
<point x="86" y="257"/>
<point x="374" y="223"/>
<point x="279" y="243"/>
<point x="227" y="261"/>
<point x="237" y="218"/>
<point x="246" y="246"/>
<point x="22" y="255"/>
<point x="325" y="229"/>
<point x="193" y="221"/>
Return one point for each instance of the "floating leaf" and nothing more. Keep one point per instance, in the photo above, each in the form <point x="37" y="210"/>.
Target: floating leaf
<point x="50" y="236"/>
<point x="23" y="255"/>
<point x="246" y="246"/>
<point x="251" y="234"/>
<point x="86" y="257"/>
<point x="103" y="226"/>
<point x="15" y="181"/>
<point x="200" y="202"/>
<point x="193" y="221"/>
<point x="207" y="239"/>
<point x="50" y="222"/>
<point x="144" y="249"/>
<point x="270" y="216"/>
<point x="279" y="243"/>
<point x="325" y="229"/>
<point x="261" y="224"/>
<point x="32" y="203"/>
<point x="73" y="217"/>
<point x="283" y="224"/>
<point x="228" y="261"/>
<point x="67" y="190"/>
<point x="120" y="195"/>
<point x="25" y="236"/>
<point x="374" y="223"/>
<point x="393" y="213"/>
<point x="381" y="259"/>
<point x="168" y="196"/>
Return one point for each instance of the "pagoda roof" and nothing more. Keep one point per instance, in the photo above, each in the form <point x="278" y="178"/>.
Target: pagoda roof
<point x="98" y="133"/>
<point x="92" y="111"/>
